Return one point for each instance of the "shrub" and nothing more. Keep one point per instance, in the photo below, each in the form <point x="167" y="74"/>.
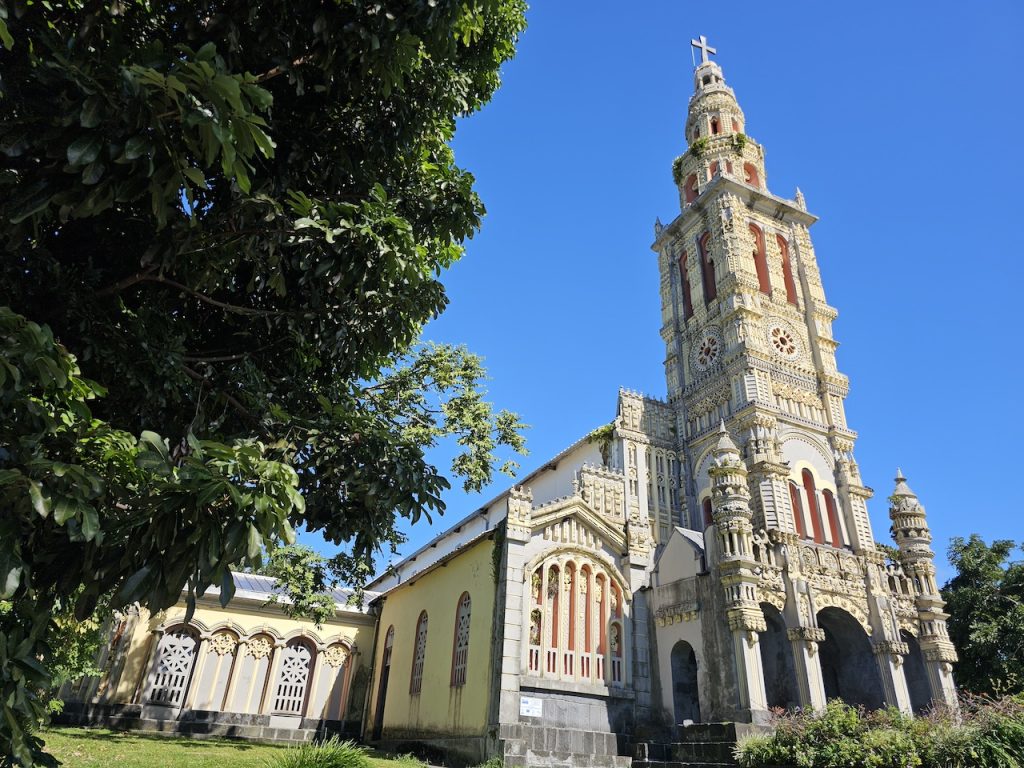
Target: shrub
<point x="987" y="733"/>
<point x="331" y="753"/>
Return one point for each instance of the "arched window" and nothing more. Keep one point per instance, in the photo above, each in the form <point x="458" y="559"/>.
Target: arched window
<point x="735" y="125"/>
<point x="760" y="260"/>
<point x="712" y="170"/>
<point x="714" y="126"/>
<point x="569" y="656"/>
<point x="172" y="669"/>
<point x="615" y="643"/>
<point x="707" y="268"/>
<point x="708" y="517"/>
<point x="460" y="650"/>
<point x="690" y="188"/>
<point x="750" y="175"/>
<point x="798" y="509"/>
<point x="687" y="297"/>
<point x="787" y="269"/>
<point x="833" y="518"/>
<point x="293" y="679"/>
<point x="587" y="617"/>
<point x="812" y="502"/>
<point x="419" y="655"/>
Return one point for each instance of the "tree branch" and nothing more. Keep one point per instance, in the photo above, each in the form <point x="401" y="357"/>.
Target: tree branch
<point x="236" y="404"/>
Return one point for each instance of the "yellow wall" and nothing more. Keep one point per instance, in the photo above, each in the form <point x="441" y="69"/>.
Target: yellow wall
<point x="438" y="708"/>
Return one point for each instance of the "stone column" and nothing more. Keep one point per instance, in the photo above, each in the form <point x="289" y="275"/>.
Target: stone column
<point x="517" y="608"/>
<point x="273" y="670"/>
<point x="810" y="684"/>
<point x="889" y="655"/>
<point x="745" y="626"/>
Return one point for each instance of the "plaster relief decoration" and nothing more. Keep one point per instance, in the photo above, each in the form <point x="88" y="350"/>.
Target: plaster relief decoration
<point x="603" y="490"/>
<point x="223" y="643"/>
<point x="258" y="647"/>
<point x="336" y="656"/>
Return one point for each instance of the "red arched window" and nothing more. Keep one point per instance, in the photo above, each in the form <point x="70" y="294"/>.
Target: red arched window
<point x="812" y="501"/>
<point x="714" y="125"/>
<point x="760" y="260"/>
<point x="687" y="297"/>
<point x="707" y="268"/>
<point x="833" y="518"/>
<point x="708" y="518"/>
<point x="712" y="170"/>
<point x="750" y="175"/>
<point x="735" y="125"/>
<point x="460" y="646"/>
<point x="798" y="509"/>
<point x="690" y="188"/>
<point x="787" y="269"/>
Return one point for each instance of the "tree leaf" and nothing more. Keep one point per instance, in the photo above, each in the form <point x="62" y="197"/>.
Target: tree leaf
<point x="84" y="149"/>
<point x="39" y="501"/>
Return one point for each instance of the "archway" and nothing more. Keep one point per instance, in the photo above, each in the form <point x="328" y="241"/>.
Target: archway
<point x="777" y="661"/>
<point x="848" y="666"/>
<point x="684" y="683"/>
<point x="917" y="677"/>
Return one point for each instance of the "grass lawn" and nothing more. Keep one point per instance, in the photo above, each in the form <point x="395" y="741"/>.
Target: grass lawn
<point x="100" y="748"/>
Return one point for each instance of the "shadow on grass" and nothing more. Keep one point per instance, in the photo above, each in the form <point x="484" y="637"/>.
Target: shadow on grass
<point x="105" y="734"/>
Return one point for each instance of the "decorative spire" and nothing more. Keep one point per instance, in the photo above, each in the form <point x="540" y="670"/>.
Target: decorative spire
<point x="725" y="443"/>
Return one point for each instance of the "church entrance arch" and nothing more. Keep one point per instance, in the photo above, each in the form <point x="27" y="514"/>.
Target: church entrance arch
<point x="848" y="666"/>
<point x="684" y="683"/>
<point x="917" y="677"/>
<point x="777" y="661"/>
<point x="382" y="690"/>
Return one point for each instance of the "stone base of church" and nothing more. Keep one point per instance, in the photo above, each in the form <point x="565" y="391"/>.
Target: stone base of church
<point x="198" y="723"/>
<point x="541" y="745"/>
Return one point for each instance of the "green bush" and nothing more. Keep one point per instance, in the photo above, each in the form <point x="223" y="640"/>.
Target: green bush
<point x="987" y="733"/>
<point x="325" y="754"/>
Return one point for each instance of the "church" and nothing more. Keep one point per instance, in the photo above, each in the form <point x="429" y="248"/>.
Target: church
<point x="701" y="559"/>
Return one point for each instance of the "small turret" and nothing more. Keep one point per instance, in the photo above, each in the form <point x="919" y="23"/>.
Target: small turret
<point x="912" y="536"/>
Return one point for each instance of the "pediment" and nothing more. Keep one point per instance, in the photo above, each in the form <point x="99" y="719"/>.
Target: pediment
<point x="573" y="521"/>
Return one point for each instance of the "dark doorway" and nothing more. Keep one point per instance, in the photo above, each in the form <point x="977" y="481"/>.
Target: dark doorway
<point x="382" y="689"/>
<point x="917" y="676"/>
<point x="848" y="666"/>
<point x="777" y="661"/>
<point x="684" y="683"/>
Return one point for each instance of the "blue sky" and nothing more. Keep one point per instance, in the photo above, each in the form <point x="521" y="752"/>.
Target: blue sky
<point x="899" y="122"/>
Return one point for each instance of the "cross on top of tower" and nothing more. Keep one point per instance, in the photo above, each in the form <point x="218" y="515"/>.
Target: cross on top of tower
<point x="702" y="45"/>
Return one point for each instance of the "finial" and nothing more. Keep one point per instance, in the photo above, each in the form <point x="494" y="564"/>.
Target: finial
<point x="902" y="489"/>
<point x="658" y="226"/>
<point x="899" y="475"/>
<point x="800" y="199"/>
<point x="701" y="44"/>
<point x="721" y="427"/>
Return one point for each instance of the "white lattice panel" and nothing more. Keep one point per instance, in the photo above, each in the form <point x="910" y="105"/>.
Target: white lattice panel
<point x="293" y="679"/>
<point x="176" y="653"/>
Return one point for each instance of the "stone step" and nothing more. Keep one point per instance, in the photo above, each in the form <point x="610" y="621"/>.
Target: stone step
<point x="685" y="752"/>
<point x="554" y="759"/>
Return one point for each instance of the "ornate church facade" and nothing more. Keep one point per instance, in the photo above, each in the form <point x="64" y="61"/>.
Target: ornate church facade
<point x="706" y="558"/>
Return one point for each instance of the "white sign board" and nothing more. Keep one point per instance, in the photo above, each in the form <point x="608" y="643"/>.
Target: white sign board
<point x="531" y="707"/>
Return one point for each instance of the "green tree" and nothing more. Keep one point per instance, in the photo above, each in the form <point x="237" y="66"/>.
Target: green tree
<point x="985" y="601"/>
<point x="224" y="226"/>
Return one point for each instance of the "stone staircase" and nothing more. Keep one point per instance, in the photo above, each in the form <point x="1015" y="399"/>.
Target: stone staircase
<point x="704" y="745"/>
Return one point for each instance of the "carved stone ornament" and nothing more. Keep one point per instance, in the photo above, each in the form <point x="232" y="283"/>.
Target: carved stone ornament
<point x="784" y="340"/>
<point x="336" y="655"/>
<point x="259" y="648"/>
<point x="707" y="350"/>
<point x="223" y="643"/>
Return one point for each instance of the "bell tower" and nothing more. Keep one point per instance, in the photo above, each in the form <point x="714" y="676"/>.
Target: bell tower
<point x="748" y="333"/>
